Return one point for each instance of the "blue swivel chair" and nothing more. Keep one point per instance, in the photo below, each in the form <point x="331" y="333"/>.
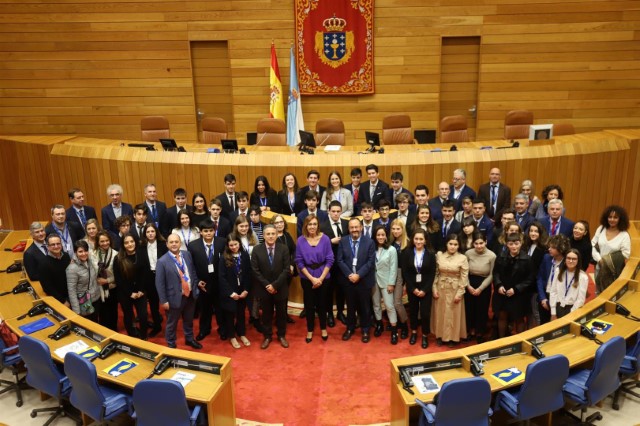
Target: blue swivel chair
<point x="629" y="371"/>
<point x="541" y="391"/>
<point x="12" y="362"/>
<point x="99" y="402"/>
<point x="459" y="402"/>
<point x="588" y="387"/>
<point x="162" y="403"/>
<point x="44" y="375"/>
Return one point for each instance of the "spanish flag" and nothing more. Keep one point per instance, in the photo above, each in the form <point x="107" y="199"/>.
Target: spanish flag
<point x="276" y="102"/>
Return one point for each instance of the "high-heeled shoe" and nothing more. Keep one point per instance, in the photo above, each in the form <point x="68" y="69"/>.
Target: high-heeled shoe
<point x="325" y="336"/>
<point x="309" y="338"/>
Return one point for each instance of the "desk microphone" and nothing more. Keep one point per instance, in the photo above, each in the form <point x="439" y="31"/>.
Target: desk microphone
<point x="262" y="137"/>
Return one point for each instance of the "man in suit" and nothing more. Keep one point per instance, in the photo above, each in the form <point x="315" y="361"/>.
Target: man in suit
<point x="335" y="228"/>
<point x="311" y="201"/>
<point x="459" y="189"/>
<point x="69" y="232"/>
<point x="221" y="225"/>
<point x="435" y="204"/>
<point x="178" y="288"/>
<point x="140" y="214"/>
<point x="496" y="195"/>
<point x="36" y="252"/>
<point x="404" y="213"/>
<point x="157" y="209"/>
<point x="523" y="217"/>
<point x="555" y="223"/>
<point x="228" y="200"/>
<point x="356" y="260"/>
<point x="115" y="209"/>
<point x="354" y="187"/>
<point x="367" y="220"/>
<point x="448" y="225"/>
<point x="270" y="265"/>
<point x="313" y="184"/>
<point x="242" y="203"/>
<point x="483" y="223"/>
<point x="375" y="189"/>
<point x="206" y="252"/>
<point x="78" y="212"/>
<point x="171" y="216"/>
<point x="397" y="189"/>
<point x="508" y="215"/>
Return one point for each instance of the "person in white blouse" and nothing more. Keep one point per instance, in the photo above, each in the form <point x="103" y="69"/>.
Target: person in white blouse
<point x="611" y="245"/>
<point x="335" y="191"/>
<point x="568" y="291"/>
<point x="186" y="232"/>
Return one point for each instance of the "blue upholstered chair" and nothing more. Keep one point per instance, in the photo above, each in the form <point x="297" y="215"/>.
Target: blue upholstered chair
<point x="460" y="402"/>
<point x="44" y="375"/>
<point x="588" y="387"/>
<point x="541" y="391"/>
<point x="162" y="402"/>
<point x="11" y="362"/>
<point x="629" y="371"/>
<point x="98" y="402"/>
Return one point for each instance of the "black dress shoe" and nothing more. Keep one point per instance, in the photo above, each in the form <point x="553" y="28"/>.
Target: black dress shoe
<point x="404" y="332"/>
<point x="365" y="337"/>
<point x="342" y="318"/>
<point x="425" y="342"/>
<point x="331" y="322"/>
<point x="438" y="342"/>
<point x="201" y="336"/>
<point x="172" y="345"/>
<point x="379" y="329"/>
<point x="193" y="344"/>
<point x="394" y="337"/>
<point x="303" y="313"/>
<point x="290" y="320"/>
<point x="413" y="339"/>
<point x="347" y="335"/>
<point x="154" y="331"/>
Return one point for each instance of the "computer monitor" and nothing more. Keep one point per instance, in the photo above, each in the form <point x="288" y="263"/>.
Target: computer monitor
<point x="373" y="140"/>
<point x="252" y="138"/>
<point x="307" y="139"/>
<point x="425" y="136"/>
<point x="540" y="132"/>
<point x="169" y="144"/>
<point x="229" y="145"/>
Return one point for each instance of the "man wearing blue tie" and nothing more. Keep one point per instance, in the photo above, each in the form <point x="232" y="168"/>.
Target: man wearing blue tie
<point x="356" y="260"/>
<point x="157" y="209"/>
<point x="79" y="212"/>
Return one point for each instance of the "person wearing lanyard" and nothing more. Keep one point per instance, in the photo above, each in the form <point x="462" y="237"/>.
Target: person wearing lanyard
<point x="178" y="288"/>
<point x="263" y="196"/>
<point x="221" y="225"/>
<point x="234" y="277"/>
<point x="558" y="248"/>
<point x="206" y="253"/>
<point x="418" y="265"/>
<point x="289" y="200"/>
<point x="152" y="247"/>
<point x="569" y="288"/>
<point x="386" y="273"/>
<point x="186" y="232"/>
<point x="69" y="232"/>
<point x="336" y="192"/>
<point x="356" y="259"/>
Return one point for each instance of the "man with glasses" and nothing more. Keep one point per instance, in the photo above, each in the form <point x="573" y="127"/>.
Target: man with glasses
<point x="53" y="270"/>
<point x="459" y="189"/>
<point x="115" y="208"/>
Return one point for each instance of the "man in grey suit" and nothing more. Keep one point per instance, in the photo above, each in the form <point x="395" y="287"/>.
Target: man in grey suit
<point x="178" y="287"/>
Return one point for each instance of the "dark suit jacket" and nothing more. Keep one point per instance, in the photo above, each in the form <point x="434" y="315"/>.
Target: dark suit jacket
<point x="356" y="205"/>
<point x="134" y="231"/>
<point x="527" y="220"/>
<point x="33" y="256"/>
<point x="466" y="191"/>
<point x="411" y="216"/>
<point x="265" y="273"/>
<point x="272" y="200"/>
<point x="201" y="261"/>
<point x="76" y="231"/>
<point x="486" y="226"/>
<point x="227" y="208"/>
<point x="330" y="230"/>
<point x="566" y="226"/>
<point x="89" y="213"/>
<point x="387" y="226"/>
<point x="503" y="202"/>
<point x="161" y="211"/>
<point x="171" y="219"/>
<point x="224" y="227"/>
<point x="53" y="276"/>
<point x="393" y="198"/>
<point x="381" y="193"/>
<point x="409" y="271"/>
<point x="285" y="207"/>
<point x="435" y="204"/>
<point x="168" y="280"/>
<point x="229" y="282"/>
<point x="320" y="190"/>
<point x="454" y="228"/>
<point x="322" y="217"/>
<point x="366" y="266"/>
<point x="149" y="277"/>
<point x="513" y="274"/>
<point x="109" y="219"/>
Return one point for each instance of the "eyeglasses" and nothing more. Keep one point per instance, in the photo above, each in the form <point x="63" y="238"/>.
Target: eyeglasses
<point x="572" y="259"/>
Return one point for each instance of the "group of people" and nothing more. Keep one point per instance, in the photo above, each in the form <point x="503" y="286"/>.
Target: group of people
<point x="363" y="245"/>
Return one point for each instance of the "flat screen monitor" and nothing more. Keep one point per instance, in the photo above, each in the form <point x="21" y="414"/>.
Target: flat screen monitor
<point x="307" y="139"/>
<point x="147" y="146"/>
<point x="540" y="132"/>
<point x="373" y="139"/>
<point x="169" y="144"/>
<point x="252" y="138"/>
<point x="425" y="136"/>
<point x="229" y="145"/>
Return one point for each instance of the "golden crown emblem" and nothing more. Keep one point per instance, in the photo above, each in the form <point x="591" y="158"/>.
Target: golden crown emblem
<point x="334" y="23"/>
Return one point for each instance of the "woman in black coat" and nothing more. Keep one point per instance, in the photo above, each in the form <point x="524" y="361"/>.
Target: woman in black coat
<point x="152" y="247"/>
<point x="235" y="282"/>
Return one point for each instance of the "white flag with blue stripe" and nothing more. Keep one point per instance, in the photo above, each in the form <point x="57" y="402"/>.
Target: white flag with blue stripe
<point x="294" y="108"/>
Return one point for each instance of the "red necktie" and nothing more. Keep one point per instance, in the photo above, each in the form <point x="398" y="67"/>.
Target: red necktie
<point x="554" y="226"/>
<point x="186" y="289"/>
<point x="355" y="195"/>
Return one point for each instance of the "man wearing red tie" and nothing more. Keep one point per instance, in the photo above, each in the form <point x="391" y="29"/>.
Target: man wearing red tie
<point x="555" y="223"/>
<point x="178" y="288"/>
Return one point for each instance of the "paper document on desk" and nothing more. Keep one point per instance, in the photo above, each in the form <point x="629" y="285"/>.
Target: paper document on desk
<point x="598" y="326"/>
<point x="509" y="376"/>
<point x="328" y="148"/>
<point x="425" y="383"/>
<point x="77" y="346"/>
<point x="120" y="367"/>
<point x="183" y="378"/>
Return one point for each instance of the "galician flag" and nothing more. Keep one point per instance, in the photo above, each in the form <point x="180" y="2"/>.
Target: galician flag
<point x="294" y="108"/>
<point x="276" y="102"/>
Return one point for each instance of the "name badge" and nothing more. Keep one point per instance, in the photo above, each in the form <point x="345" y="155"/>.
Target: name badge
<point x="355" y="262"/>
<point x="419" y="278"/>
<point x="211" y="269"/>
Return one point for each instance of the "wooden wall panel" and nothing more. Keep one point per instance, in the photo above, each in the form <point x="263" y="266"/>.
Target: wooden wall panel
<point x="95" y="68"/>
